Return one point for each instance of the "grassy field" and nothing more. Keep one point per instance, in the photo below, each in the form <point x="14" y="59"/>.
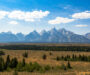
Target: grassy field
<point x="78" y="67"/>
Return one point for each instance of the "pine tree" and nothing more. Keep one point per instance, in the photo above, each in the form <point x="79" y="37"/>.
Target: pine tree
<point x="13" y="63"/>
<point x="23" y="63"/>
<point x="69" y="65"/>
<point x="57" y="58"/>
<point x="1" y="64"/>
<point x="7" y="64"/>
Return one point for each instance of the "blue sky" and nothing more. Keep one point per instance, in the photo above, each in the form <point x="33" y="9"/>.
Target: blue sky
<point x="28" y="15"/>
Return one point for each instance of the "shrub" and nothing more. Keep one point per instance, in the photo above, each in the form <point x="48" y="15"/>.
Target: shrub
<point x="63" y="67"/>
<point x="44" y="57"/>
<point x="33" y="67"/>
<point x="41" y="70"/>
<point x="15" y="73"/>
<point x="50" y="53"/>
<point x="25" y="54"/>
<point x="36" y="66"/>
<point x="20" y="67"/>
<point x="29" y="68"/>
<point x="57" y="58"/>
<point x="2" y="53"/>
<point x="23" y="63"/>
<point x="8" y="69"/>
<point x="47" y="68"/>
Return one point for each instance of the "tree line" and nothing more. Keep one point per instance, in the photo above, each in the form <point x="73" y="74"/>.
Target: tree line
<point x="74" y="58"/>
<point x="46" y="48"/>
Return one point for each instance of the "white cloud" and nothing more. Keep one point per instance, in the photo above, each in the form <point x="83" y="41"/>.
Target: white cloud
<point x="3" y="14"/>
<point x="60" y="20"/>
<point x="13" y="22"/>
<point x="24" y="15"/>
<point x="80" y="25"/>
<point x="27" y="16"/>
<point x="16" y="15"/>
<point x="82" y="15"/>
<point x="31" y="16"/>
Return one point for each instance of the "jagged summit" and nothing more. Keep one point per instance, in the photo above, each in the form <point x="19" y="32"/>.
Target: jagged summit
<point x="52" y="36"/>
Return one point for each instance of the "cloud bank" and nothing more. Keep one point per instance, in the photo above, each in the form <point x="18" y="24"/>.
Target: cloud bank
<point x="3" y="14"/>
<point x="82" y="15"/>
<point x="22" y="15"/>
<point x="37" y="15"/>
<point x="59" y="20"/>
<point x="74" y="17"/>
<point x="81" y="25"/>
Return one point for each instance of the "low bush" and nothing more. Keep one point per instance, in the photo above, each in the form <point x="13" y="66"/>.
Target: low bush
<point x="47" y="68"/>
<point x="25" y="54"/>
<point x="15" y="73"/>
<point x="44" y="57"/>
<point x="2" y="53"/>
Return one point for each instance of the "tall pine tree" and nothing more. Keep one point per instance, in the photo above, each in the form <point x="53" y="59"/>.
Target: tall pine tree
<point x="1" y="64"/>
<point x="7" y="64"/>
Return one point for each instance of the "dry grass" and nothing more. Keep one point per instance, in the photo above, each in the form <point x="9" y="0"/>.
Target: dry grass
<point x="36" y="56"/>
<point x="27" y="73"/>
<point x="47" y="44"/>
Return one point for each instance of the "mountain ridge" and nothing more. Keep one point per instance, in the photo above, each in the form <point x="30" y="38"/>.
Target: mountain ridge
<point x="87" y="35"/>
<point x="52" y="36"/>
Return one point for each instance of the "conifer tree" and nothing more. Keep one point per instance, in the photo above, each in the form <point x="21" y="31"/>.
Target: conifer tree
<point x="23" y="62"/>
<point x="1" y="64"/>
<point x="69" y="65"/>
<point x="57" y="58"/>
<point x="13" y="63"/>
<point x="7" y="64"/>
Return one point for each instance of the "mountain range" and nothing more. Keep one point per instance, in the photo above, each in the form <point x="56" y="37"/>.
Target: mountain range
<point x="87" y="35"/>
<point x="51" y="36"/>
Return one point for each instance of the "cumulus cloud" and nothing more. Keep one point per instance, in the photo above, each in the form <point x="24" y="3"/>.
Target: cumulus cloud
<point x="82" y="15"/>
<point x="80" y="25"/>
<point x="60" y="20"/>
<point x="28" y="16"/>
<point x="3" y="14"/>
<point x="31" y="16"/>
<point x="23" y="15"/>
<point x="16" y="15"/>
<point x="13" y="22"/>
